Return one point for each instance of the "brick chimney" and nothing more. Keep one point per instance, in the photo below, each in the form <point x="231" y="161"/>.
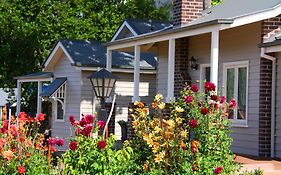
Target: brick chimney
<point x="185" y="11"/>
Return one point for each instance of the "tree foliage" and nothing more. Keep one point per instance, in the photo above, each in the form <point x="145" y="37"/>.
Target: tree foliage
<point x="29" y="29"/>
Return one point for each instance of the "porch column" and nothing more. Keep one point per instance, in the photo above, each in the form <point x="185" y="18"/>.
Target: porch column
<point x="39" y="99"/>
<point x="215" y="57"/>
<point x="109" y="60"/>
<point x="136" y="74"/>
<point x="18" y="97"/>
<point x="171" y="71"/>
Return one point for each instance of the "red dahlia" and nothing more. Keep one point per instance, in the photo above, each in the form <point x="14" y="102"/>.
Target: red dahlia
<point x="218" y="170"/>
<point x="194" y="88"/>
<point x="193" y="123"/>
<point x="102" y="144"/>
<point x="204" y="111"/>
<point x="21" y="170"/>
<point x="210" y="86"/>
<point x="89" y="119"/>
<point x="188" y="99"/>
<point x="73" y="145"/>
<point x="101" y="124"/>
<point x="72" y="119"/>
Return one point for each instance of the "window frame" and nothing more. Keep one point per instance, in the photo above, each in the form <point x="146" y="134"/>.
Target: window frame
<point x="236" y="65"/>
<point x="55" y="105"/>
<point x="202" y="75"/>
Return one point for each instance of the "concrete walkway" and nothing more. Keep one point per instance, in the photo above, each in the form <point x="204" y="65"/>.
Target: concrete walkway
<point x="269" y="167"/>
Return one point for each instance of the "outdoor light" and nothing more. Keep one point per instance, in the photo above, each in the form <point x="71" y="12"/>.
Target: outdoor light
<point x="193" y="65"/>
<point x="103" y="83"/>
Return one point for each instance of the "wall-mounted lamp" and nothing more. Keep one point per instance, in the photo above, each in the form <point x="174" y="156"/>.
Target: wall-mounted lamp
<point x="193" y="63"/>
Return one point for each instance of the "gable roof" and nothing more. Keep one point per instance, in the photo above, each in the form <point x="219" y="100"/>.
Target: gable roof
<point x="83" y="53"/>
<point x="232" y="9"/>
<point x="140" y="27"/>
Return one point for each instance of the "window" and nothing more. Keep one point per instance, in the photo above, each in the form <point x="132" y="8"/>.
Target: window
<point x="235" y="80"/>
<point x="205" y="75"/>
<point x="60" y="111"/>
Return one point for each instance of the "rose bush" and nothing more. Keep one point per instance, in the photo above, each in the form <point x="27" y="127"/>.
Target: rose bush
<point x="192" y="139"/>
<point x="94" y="155"/>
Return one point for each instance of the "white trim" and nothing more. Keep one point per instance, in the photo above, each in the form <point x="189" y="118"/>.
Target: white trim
<point x="236" y="65"/>
<point x="18" y="98"/>
<point x="55" y="103"/>
<point x="108" y="60"/>
<point x="202" y="75"/>
<point x="273" y="49"/>
<point x="136" y="96"/>
<point x="214" y="62"/>
<point x="39" y="98"/>
<point x="171" y="71"/>
<point x="59" y="45"/>
<point x="118" y="70"/>
<point x="27" y="80"/>
<point x="125" y="24"/>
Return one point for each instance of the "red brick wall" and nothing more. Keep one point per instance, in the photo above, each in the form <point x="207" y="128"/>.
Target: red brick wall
<point x="181" y="65"/>
<point x="271" y="26"/>
<point x="185" y="11"/>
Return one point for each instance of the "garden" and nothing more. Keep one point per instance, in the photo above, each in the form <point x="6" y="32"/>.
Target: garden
<point x="192" y="138"/>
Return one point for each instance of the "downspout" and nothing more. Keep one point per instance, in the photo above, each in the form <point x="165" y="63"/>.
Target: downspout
<point x="273" y="98"/>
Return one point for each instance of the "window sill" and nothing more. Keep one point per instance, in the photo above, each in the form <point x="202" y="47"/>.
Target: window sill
<point x="239" y="125"/>
<point x="59" y="121"/>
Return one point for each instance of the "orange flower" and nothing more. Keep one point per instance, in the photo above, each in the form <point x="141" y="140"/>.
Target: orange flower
<point x="145" y="167"/>
<point x="195" y="143"/>
<point x="40" y="117"/>
<point x="21" y="139"/>
<point x="154" y="105"/>
<point x="8" y="155"/>
<point x="21" y="169"/>
<point x="139" y="104"/>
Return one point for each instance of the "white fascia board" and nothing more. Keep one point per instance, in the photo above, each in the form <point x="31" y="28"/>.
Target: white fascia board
<point x="165" y="37"/>
<point x="59" y="45"/>
<point x="272" y="49"/>
<point x="256" y="17"/>
<point x="125" y="24"/>
<point x="26" y="80"/>
<point x="117" y="70"/>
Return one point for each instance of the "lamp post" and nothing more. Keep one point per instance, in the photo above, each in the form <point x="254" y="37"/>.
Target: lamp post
<point x="103" y="83"/>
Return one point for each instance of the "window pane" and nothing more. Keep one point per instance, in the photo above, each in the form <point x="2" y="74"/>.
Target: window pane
<point x="242" y="86"/>
<point x="59" y="111"/>
<point x="208" y="74"/>
<point x="230" y="87"/>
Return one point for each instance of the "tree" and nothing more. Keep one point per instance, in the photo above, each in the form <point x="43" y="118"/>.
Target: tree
<point x="216" y="2"/>
<point x="29" y="29"/>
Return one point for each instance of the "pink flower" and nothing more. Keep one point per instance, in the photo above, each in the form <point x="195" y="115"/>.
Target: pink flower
<point x="222" y="99"/>
<point x="218" y="170"/>
<point x="194" y="88"/>
<point x="52" y="141"/>
<point x="40" y="117"/>
<point x="89" y="119"/>
<point x="210" y="86"/>
<point x="101" y="124"/>
<point x="193" y="123"/>
<point x="204" y="111"/>
<point x="232" y="103"/>
<point x="87" y="130"/>
<point x="73" y="145"/>
<point x="59" y="142"/>
<point x="188" y="99"/>
<point x="72" y="119"/>
<point x="101" y="144"/>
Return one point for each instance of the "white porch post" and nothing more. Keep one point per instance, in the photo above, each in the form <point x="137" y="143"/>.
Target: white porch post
<point x="171" y="71"/>
<point x="109" y="60"/>
<point x="18" y="97"/>
<point x="215" y="57"/>
<point x="39" y="99"/>
<point x="136" y="74"/>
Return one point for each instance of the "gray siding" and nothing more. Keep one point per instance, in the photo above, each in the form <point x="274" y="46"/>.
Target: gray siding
<point x="238" y="44"/>
<point x="278" y="108"/>
<point x="124" y="91"/>
<point x="63" y="68"/>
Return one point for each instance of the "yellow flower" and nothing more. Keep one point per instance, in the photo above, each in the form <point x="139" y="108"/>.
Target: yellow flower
<point x="179" y="109"/>
<point x="184" y="134"/>
<point x="179" y="120"/>
<point x="8" y="155"/>
<point x="157" y="129"/>
<point x="159" y="157"/>
<point x="161" y="105"/>
<point x="155" y="147"/>
<point x="158" y="97"/>
<point x="139" y="104"/>
<point x="171" y="123"/>
<point x="154" y="105"/>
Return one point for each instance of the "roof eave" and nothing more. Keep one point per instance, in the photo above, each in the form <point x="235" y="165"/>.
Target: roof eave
<point x="269" y="44"/>
<point x="117" y="67"/>
<point x="174" y="30"/>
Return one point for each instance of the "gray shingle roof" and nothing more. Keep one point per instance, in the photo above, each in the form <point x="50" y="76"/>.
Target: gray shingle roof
<point x="231" y="9"/>
<point x="147" y="26"/>
<point x="53" y="87"/>
<point x="93" y="54"/>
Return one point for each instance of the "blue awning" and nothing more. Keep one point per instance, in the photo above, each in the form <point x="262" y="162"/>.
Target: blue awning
<point x="51" y="89"/>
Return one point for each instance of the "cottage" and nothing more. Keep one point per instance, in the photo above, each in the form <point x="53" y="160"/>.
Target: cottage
<point x="237" y="46"/>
